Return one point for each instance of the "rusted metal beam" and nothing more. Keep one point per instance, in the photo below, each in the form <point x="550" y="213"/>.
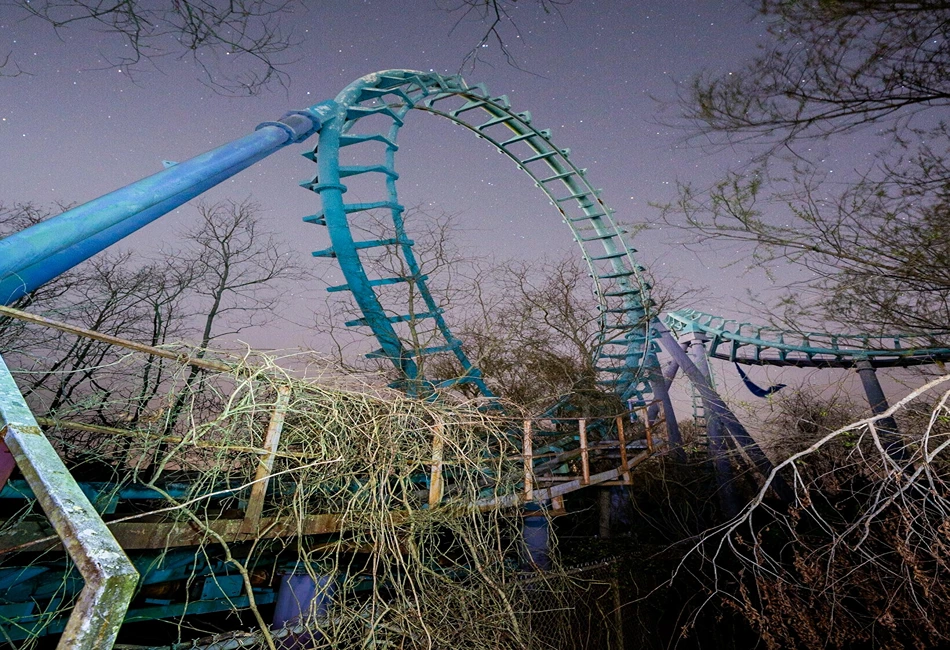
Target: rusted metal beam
<point x="110" y="578"/>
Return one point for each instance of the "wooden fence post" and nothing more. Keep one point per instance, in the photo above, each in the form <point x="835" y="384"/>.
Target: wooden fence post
<point x="255" y="504"/>
<point x="625" y="469"/>
<point x="585" y="453"/>
<point x="527" y="453"/>
<point x="436" y="486"/>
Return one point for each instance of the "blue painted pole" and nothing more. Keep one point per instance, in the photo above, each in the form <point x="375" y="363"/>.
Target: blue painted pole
<point x="536" y="535"/>
<point x="41" y="252"/>
<point x="716" y="406"/>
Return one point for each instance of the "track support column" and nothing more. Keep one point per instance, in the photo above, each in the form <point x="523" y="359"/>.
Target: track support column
<point x="659" y="383"/>
<point x="890" y="435"/>
<point x="729" y="421"/>
<point x="695" y="345"/>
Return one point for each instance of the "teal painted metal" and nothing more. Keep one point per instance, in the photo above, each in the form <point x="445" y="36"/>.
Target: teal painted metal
<point x="763" y="345"/>
<point x="110" y="577"/>
<point x="627" y="347"/>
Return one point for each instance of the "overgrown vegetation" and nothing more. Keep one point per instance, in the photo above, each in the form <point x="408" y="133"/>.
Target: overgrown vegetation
<point x="348" y="501"/>
<point x="859" y="560"/>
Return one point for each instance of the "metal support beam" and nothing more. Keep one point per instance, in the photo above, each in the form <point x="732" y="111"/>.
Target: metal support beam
<point x="37" y="254"/>
<point x="718" y="407"/>
<point x="669" y="374"/>
<point x="110" y="576"/>
<point x="890" y="434"/>
<point x="695" y="345"/>
<point x="660" y="384"/>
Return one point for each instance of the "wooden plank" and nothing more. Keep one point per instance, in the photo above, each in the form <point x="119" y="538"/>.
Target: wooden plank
<point x="541" y="494"/>
<point x="255" y="504"/>
<point x="436" y="485"/>
<point x="114" y="340"/>
<point x="649" y="429"/>
<point x="585" y="453"/>
<point x="133" y="535"/>
<point x="526" y="450"/>
<point x="623" y="449"/>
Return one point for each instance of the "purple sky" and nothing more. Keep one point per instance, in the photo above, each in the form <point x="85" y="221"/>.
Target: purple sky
<point x="76" y="128"/>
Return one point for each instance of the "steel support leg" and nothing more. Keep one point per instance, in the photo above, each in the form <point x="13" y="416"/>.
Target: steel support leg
<point x="890" y="435"/>
<point x="718" y="447"/>
<point x="669" y="374"/>
<point x="659" y="384"/>
<point x="716" y="406"/>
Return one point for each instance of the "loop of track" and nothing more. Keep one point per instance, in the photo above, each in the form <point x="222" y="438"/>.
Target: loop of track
<point x="627" y="342"/>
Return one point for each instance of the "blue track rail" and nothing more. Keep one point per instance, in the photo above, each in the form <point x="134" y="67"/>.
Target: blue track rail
<point x="747" y="343"/>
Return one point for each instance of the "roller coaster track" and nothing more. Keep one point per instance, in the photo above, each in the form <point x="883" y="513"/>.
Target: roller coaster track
<point x="409" y="325"/>
<point x="627" y="342"/>
<point x="747" y="343"/>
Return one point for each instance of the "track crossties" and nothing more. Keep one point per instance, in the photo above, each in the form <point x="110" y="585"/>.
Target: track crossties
<point x="763" y="345"/>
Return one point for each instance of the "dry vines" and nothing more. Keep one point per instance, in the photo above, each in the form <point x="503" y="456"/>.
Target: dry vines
<point x="862" y="557"/>
<point x="397" y="572"/>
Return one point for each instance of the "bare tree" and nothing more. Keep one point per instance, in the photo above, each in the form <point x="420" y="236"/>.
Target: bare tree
<point x="497" y="17"/>
<point x="875" y="248"/>
<point x="238" y="266"/>
<point x="240" y="47"/>
<point x="877" y="254"/>
<point x="860" y="558"/>
<point x="224" y="279"/>
<point x="831" y="67"/>
<point x="251" y="33"/>
<point x="532" y="329"/>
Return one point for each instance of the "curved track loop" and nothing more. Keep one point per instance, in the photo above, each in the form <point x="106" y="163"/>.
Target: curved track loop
<point x="762" y="345"/>
<point x="408" y="334"/>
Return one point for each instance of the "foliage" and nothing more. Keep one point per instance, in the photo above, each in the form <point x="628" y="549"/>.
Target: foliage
<point x="405" y="570"/>
<point x="860" y="558"/>
<point x="875" y="250"/>
<point x="832" y="66"/>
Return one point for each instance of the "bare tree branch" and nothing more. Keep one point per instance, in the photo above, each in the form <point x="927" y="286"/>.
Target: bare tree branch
<point x="240" y="47"/>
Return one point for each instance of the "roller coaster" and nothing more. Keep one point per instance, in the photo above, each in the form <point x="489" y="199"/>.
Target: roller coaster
<point x="357" y="141"/>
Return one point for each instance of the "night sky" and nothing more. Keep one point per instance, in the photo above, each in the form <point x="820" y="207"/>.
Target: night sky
<point x="601" y="75"/>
